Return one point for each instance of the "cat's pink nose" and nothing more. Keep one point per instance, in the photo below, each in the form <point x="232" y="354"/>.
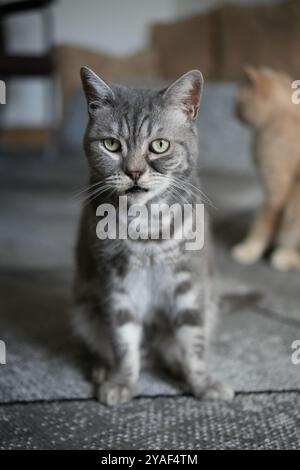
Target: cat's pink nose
<point x="134" y="175"/>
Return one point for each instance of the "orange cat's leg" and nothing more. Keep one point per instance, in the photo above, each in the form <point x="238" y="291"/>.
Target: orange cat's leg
<point x="287" y="253"/>
<point x="253" y="247"/>
<point x="277" y="187"/>
<point x="285" y="259"/>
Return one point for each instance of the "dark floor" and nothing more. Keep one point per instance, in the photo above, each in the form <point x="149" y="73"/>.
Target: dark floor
<point x="46" y="400"/>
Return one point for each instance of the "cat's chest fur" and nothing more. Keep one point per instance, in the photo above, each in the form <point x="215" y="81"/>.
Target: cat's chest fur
<point x="149" y="287"/>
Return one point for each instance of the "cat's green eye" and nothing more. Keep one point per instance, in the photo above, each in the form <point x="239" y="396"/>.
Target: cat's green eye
<point x="159" y="146"/>
<point x="112" y="145"/>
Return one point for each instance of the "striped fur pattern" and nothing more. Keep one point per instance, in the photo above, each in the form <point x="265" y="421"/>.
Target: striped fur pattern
<point x="136" y="295"/>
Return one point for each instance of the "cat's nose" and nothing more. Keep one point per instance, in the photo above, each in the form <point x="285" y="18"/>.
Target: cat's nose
<point x="134" y="175"/>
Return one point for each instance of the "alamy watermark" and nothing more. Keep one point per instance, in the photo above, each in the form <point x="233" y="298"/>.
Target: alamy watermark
<point x="295" y="357"/>
<point x="2" y="353"/>
<point x="2" y="92"/>
<point x="296" y="93"/>
<point x="159" y="222"/>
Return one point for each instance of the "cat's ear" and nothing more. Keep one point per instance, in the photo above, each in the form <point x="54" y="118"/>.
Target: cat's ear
<point x="97" y="91"/>
<point x="251" y="74"/>
<point x="186" y="92"/>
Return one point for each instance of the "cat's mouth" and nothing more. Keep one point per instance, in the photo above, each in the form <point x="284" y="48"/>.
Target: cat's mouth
<point x="136" y="189"/>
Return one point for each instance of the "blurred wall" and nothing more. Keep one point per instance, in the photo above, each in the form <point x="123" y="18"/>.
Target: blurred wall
<point x="118" y="27"/>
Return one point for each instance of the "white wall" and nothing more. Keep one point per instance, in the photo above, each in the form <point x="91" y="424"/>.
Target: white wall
<point x="116" y="26"/>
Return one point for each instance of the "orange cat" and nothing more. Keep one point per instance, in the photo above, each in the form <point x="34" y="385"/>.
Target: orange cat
<point x="264" y="102"/>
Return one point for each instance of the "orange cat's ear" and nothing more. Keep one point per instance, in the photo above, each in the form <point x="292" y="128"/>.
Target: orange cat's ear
<point x="251" y="73"/>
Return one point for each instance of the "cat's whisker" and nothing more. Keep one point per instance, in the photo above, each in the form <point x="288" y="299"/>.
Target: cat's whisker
<point x="194" y="188"/>
<point x="175" y="184"/>
<point x="178" y="194"/>
<point x="87" y="189"/>
<point x="96" y="191"/>
<point x="87" y="196"/>
<point x="189" y="191"/>
<point x="192" y="191"/>
<point x="204" y="196"/>
<point x="102" y="191"/>
<point x="171" y="184"/>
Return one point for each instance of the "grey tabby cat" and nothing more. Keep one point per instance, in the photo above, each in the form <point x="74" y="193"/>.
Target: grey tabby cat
<point x="132" y="293"/>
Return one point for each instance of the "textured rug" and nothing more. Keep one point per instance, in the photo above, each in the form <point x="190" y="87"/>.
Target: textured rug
<point x="259" y="421"/>
<point x="252" y="350"/>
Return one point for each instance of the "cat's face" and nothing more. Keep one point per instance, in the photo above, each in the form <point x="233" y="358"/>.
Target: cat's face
<point x="261" y="95"/>
<point x="138" y="141"/>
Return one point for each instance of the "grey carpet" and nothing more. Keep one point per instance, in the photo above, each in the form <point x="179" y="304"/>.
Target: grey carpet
<point x="44" y="361"/>
<point x="257" y="421"/>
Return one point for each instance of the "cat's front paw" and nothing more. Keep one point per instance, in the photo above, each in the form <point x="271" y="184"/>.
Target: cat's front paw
<point x="219" y="390"/>
<point x="248" y="252"/>
<point x="213" y="389"/>
<point x="285" y="259"/>
<point x="112" y="393"/>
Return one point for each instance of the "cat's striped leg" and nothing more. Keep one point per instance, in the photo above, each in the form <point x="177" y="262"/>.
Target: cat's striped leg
<point x="191" y="340"/>
<point x="119" y="384"/>
<point x="191" y="335"/>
